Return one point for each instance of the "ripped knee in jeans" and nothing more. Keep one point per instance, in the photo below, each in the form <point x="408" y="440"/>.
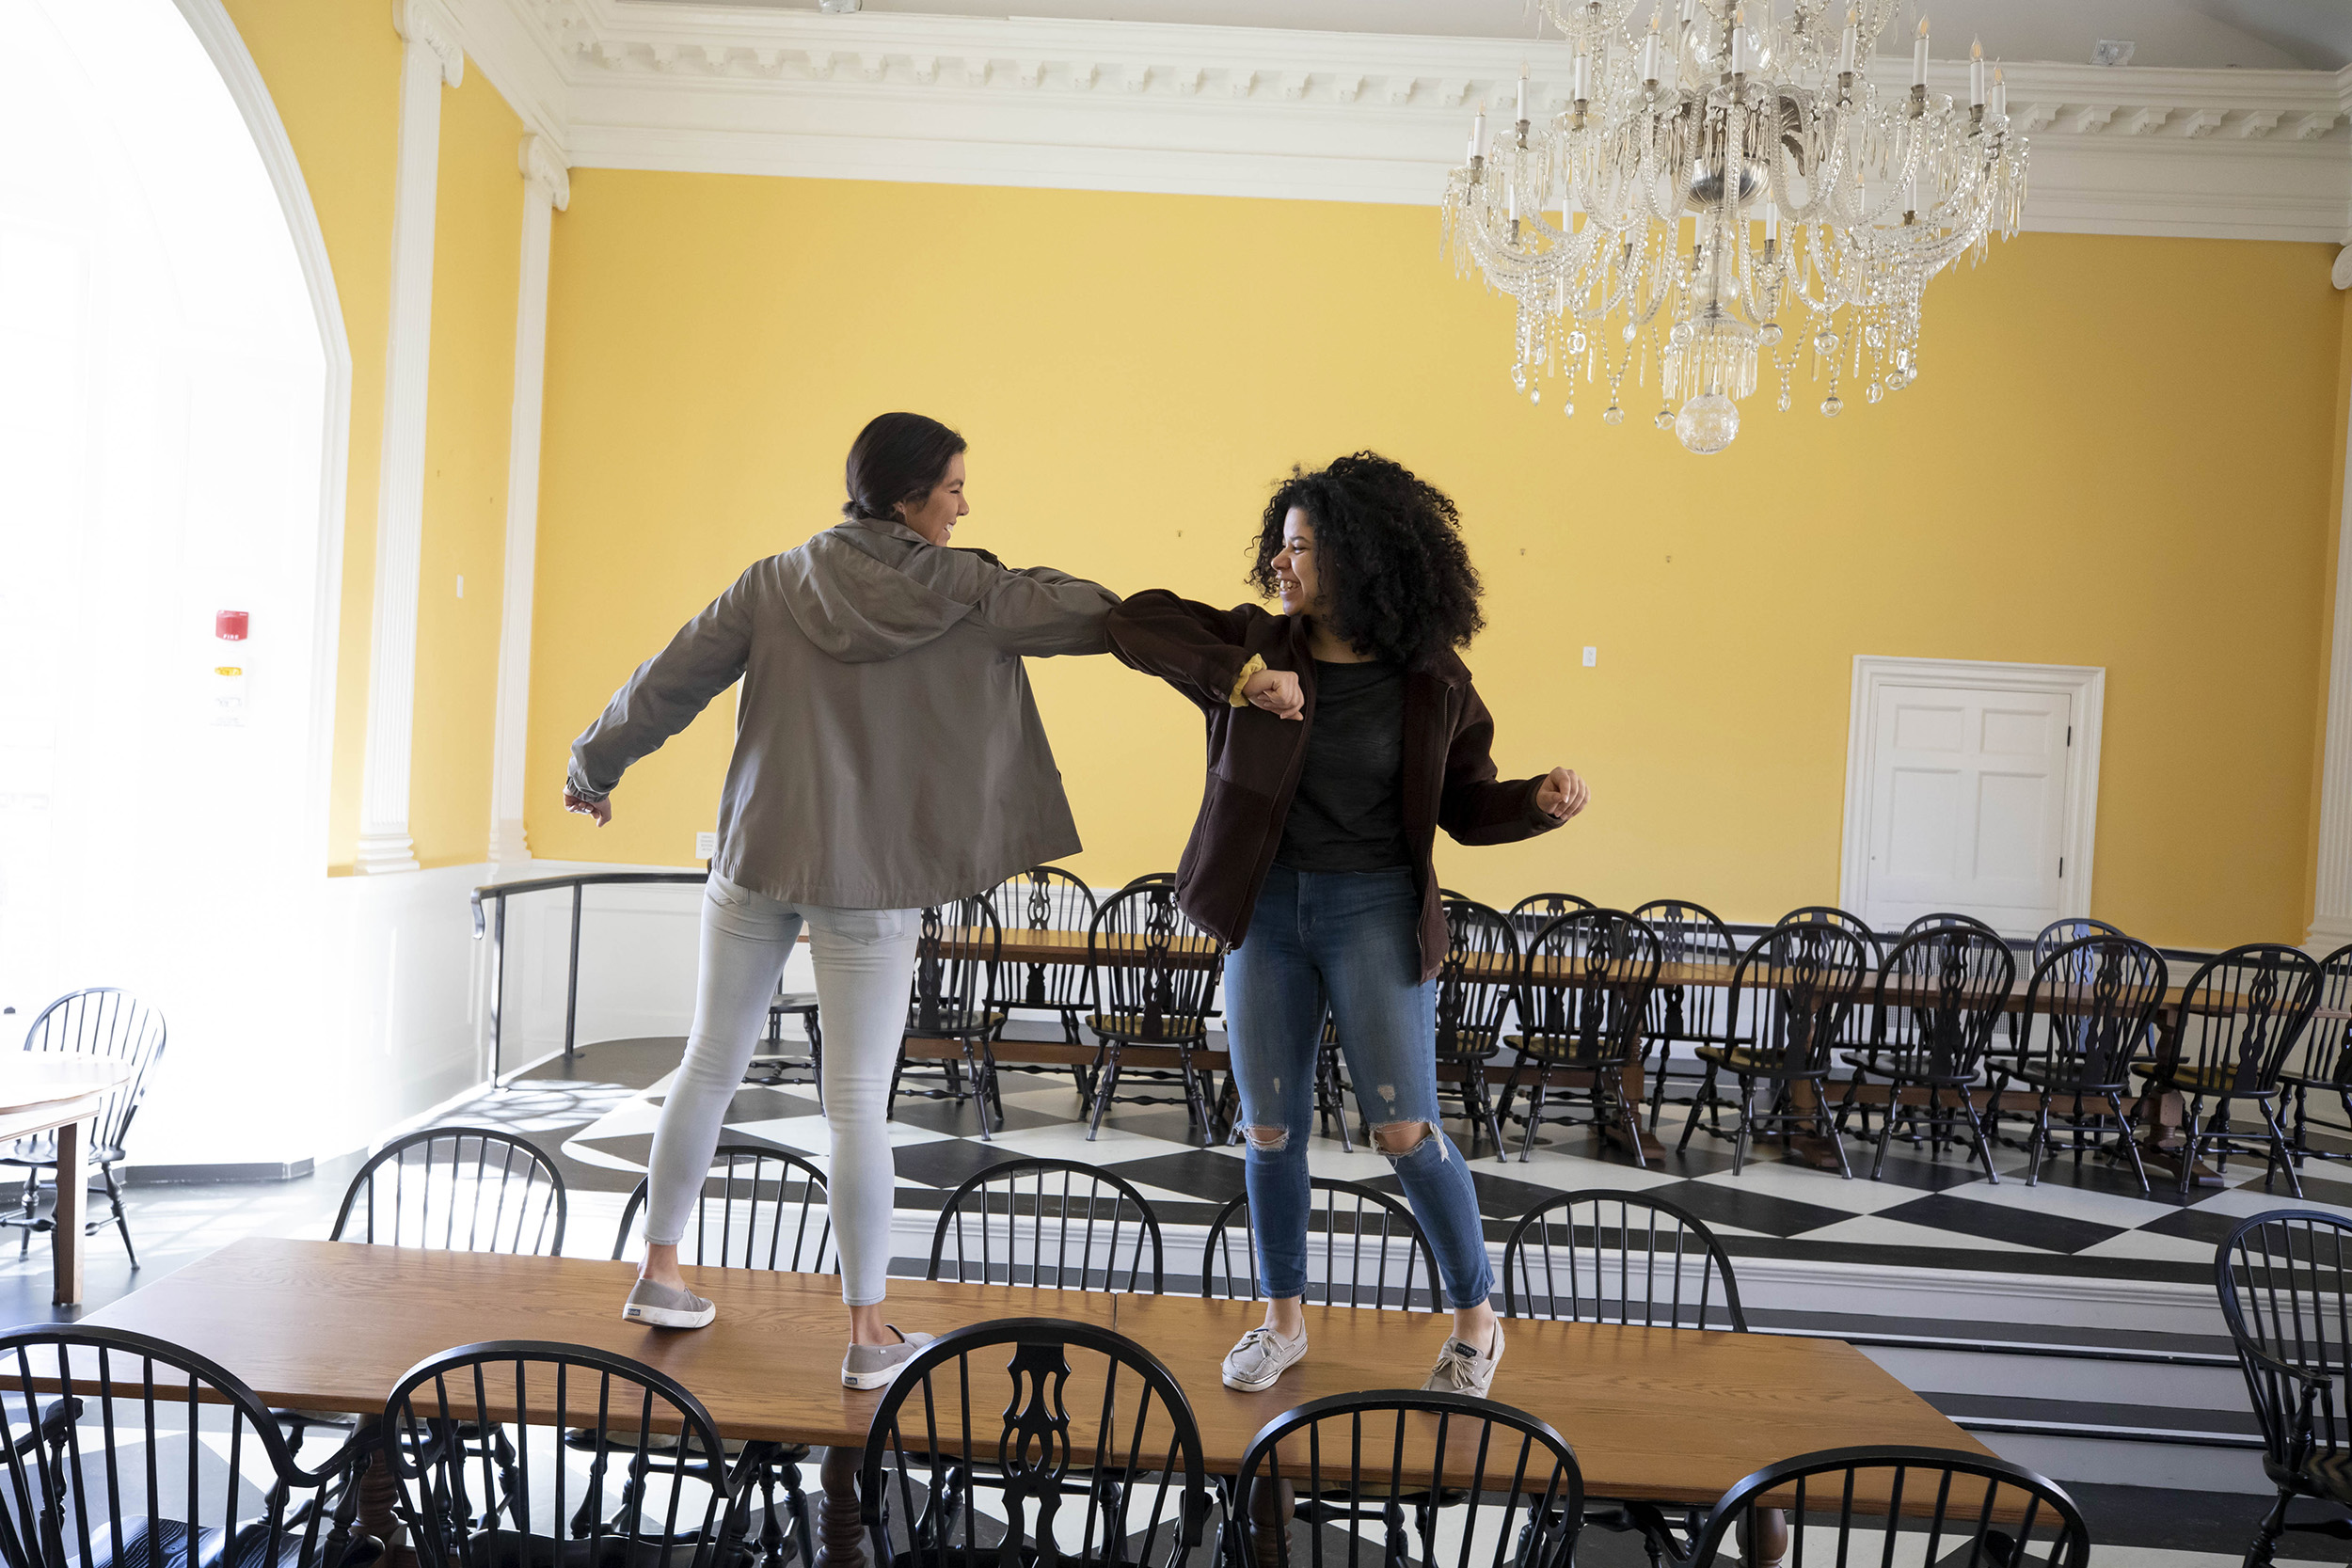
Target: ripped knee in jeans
<point x="1268" y="1140"/>
<point x="1397" y="1139"/>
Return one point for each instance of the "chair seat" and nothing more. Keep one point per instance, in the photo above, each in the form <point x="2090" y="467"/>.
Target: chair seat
<point x="2329" y="1473"/>
<point x="953" y="1023"/>
<point x="794" y="1002"/>
<point x="2216" y="1080"/>
<point x="2059" y="1078"/>
<point x="1171" y="1029"/>
<point x="164" y="1544"/>
<point x="41" y="1149"/>
<point x="1908" y="1066"/>
<point x="1564" y="1051"/>
<point x="1750" y="1063"/>
<point x="506" y="1548"/>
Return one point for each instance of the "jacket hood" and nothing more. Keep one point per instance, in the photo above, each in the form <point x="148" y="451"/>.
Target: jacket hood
<point x="851" y="592"/>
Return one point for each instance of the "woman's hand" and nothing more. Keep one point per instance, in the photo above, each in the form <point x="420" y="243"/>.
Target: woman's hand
<point x="600" y="810"/>
<point x="1277" y="691"/>
<point x="1561" y="793"/>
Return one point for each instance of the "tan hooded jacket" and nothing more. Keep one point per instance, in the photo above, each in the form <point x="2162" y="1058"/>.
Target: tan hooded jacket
<point x="888" y="752"/>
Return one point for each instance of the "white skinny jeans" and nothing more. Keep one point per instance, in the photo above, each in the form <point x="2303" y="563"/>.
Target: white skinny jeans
<point x="864" y="961"/>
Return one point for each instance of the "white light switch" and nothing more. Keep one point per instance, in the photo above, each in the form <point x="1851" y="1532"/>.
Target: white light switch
<point x="1592" y="656"/>
<point x="705" y="846"/>
<point x="461" y="585"/>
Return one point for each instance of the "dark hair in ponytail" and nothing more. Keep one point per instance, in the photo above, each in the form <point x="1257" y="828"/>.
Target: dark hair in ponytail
<point x="896" y="458"/>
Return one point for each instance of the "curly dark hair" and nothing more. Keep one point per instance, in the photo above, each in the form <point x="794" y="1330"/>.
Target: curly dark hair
<point x="1389" y="554"/>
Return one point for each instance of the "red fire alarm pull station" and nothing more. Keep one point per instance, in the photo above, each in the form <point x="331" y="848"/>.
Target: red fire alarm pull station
<point x="230" y="625"/>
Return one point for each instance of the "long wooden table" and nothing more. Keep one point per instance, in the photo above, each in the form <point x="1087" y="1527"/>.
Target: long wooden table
<point x="1673" y="1415"/>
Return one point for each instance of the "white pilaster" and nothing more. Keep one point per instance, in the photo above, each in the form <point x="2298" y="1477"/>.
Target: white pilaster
<point x="2331" y="900"/>
<point x="545" y="188"/>
<point x="432" y="58"/>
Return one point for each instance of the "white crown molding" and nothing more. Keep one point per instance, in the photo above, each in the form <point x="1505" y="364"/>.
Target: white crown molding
<point x="1266" y="112"/>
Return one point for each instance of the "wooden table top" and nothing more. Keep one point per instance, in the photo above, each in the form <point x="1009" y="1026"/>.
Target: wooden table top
<point x="29" y="1079"/>
<point x="1669" y="1415"/>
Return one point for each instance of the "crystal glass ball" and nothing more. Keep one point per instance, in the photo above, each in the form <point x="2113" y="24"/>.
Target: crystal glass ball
<point x="1708" y="423"/>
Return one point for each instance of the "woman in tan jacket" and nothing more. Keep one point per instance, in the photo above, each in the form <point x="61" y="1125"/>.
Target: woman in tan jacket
<point x="888" y="756"/>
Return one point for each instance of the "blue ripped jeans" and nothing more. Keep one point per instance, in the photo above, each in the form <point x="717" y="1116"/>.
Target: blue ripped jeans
<point x="1351" y="941"/>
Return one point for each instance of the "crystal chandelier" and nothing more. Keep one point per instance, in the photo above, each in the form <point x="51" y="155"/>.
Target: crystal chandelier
<point x="1634" y="251"/>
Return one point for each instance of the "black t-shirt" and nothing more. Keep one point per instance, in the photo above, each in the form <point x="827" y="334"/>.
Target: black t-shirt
<point x="1349" y="812"/>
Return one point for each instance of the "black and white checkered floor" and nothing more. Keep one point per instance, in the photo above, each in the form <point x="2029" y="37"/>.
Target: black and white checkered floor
<point x="2086" y="1220"/>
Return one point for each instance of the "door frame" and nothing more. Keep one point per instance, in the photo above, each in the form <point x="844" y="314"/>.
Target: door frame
<point x="2087" y="684"/>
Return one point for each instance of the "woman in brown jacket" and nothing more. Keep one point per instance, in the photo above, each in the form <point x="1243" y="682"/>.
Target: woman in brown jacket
<point x="1342" y="734"/>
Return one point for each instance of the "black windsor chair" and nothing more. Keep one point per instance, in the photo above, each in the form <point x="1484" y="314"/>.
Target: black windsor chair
<point x="1370" y="1250"/>
<point x="1475" y="988"/>
<point x="993" y="1229"/>
<point x="2064" y="933"/>
<point x="1583" y="1000"/>
<point x="1044" y="898"/>
<point x="2285" y="1282"/>
<point x="2090" y="1007"/>
<point x="1607" y="1257"/>
<point x="1963" y="1509"/>
<point x="2323" y="1068"/>
<point x="1687" y="934"/>
<point x="457" y="1189"/>
<point x="124" y="1450"/>
<point x="1094" y="1460"/>
<point x="759" y="1208"/>
<point x="106" y="1023"/>
<point x="2240" y="1017"/>
<point x="1451" y="1482"/>
<point x="1790" y="997"/>
<point x="1151" y="980"/>
<point x="956" y="958"/>
<point x="1939" y="998"/>
<point x="1599" y="1256"/>
<point x="565" y="1483"/>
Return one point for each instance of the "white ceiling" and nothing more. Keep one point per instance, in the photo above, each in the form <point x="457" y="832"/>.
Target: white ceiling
<point x="2248" y="34"/>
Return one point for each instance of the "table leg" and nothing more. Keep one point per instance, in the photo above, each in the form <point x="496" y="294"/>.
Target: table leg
<point x="65" y="1240"/>
<point x="377" y="1494"/>
<point x="840" y="1533"/>
<point x="1636" y="1096"/>
<point x="1272" y="1502"/>
<point x="1764" y="1538"/>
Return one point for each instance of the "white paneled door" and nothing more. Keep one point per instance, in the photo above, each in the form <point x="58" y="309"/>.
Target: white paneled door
<point x="1969" y="791"/>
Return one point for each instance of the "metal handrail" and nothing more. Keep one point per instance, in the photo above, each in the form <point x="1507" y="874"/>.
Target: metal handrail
<point x="498" y="893"/>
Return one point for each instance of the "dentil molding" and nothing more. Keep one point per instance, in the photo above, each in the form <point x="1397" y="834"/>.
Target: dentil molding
<point x="1248" y="111"/>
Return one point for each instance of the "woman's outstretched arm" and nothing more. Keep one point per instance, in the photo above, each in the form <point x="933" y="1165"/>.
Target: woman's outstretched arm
<point x="1198" y="649"/>
<point x="1478" y="808"/>
<point x="706" y="657"/>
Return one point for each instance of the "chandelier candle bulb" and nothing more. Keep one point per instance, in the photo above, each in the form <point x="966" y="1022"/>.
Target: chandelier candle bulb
<point x="2001" y="95"/>
<point x="1523" y="102"/>
<point x="1649" y="53"/>
<point x="1919" y="57"/>
<point x="1976" y="74"/>
<point x="1582" y="91"/>
<point x="1739" y="42"/>
<point x="1846" y="44"/>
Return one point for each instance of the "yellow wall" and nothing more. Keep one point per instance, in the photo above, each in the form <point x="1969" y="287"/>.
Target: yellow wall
<point x="477" y="263"/>
<point x="2121" y="455"/>
<point x="333" y="70"/>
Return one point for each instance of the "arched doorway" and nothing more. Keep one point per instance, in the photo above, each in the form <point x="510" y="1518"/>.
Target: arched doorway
<point x="172" y="399"/>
